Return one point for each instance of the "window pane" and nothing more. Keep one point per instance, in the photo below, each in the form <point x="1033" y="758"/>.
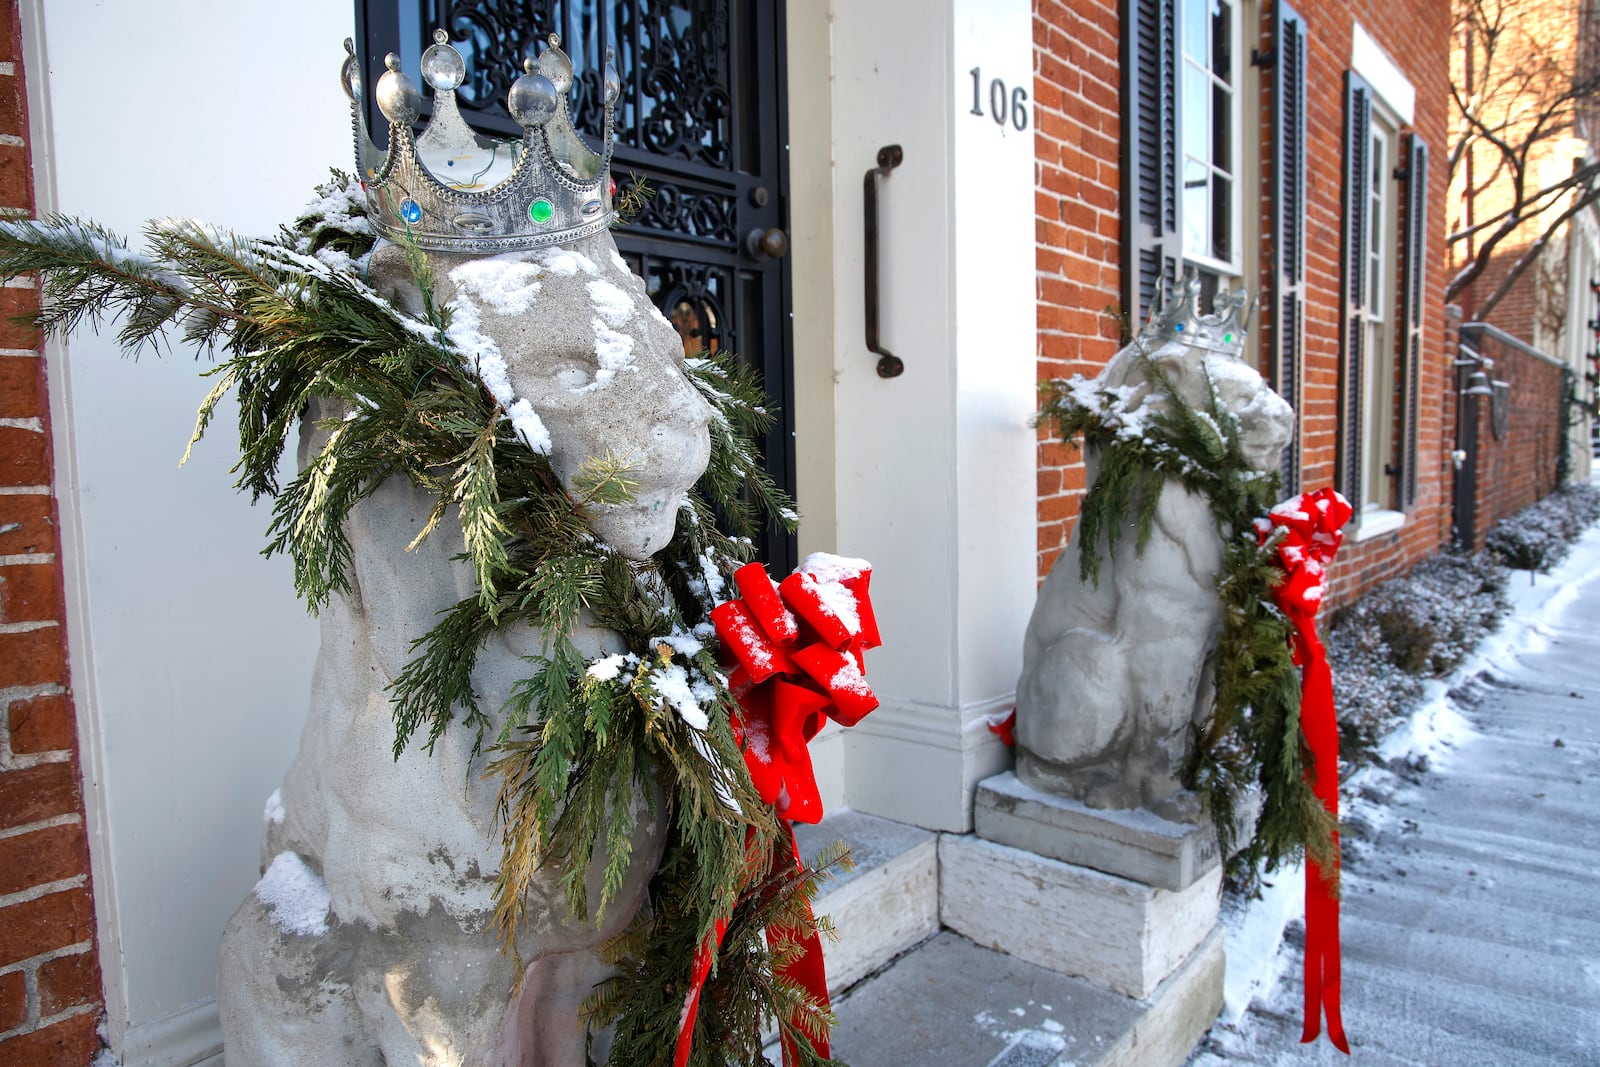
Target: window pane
<point x="1196" y="115"/>
<point x="1196" y="210"/>
<point x="1194" y="30"/>
<point x="1222" y="129"/>
<point x="1222" y="40"/>
<point x="1222" y="217"/>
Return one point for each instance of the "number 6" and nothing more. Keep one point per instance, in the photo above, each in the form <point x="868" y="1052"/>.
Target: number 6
<point x="1019" y="108"/>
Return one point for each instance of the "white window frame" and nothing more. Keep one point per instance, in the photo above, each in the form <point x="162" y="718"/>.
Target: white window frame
<point x="1378" y="412"/>
<point x="1231" y="268"/>
<point x="1393" y="104"/>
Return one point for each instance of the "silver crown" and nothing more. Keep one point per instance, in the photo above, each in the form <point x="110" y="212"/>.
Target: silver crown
<point x="455" y="190"/>
<point x="1179" y="319"/>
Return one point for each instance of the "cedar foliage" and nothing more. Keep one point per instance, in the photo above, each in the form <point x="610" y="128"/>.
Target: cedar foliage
<point x="1252" y="743"/>
<point x="580" y="759"/>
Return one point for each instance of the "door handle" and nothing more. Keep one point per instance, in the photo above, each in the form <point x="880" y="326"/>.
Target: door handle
<point x="889" y="364"/>
<point x="760" y="243"/>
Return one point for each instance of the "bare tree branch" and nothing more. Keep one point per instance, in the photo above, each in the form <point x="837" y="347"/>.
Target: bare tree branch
<point x="1521" y="80"/>
<point x="1534" y="250"/>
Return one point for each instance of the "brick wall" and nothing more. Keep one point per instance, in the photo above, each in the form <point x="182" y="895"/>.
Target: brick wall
<point x="1077" y="130"/>
<point x="1076" y="89"/>
<point x="50" y="995"/>
<point x="1519" y="468"/>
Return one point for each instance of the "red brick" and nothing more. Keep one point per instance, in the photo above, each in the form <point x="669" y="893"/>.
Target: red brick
<point x="26" y="525"/>
<point x="69" y="1043"/>
<point x="12" y="120"/>
<point x="31" y="794"/>
<point x="20" y="393"/>
<point x="15" y="180"/>
<point x="15" y="304"/>
<point x="42" y="724"/>
<point x="44" y="856"/>
<point x="13" y="1001"/>
<point x="10" y="40"/>
<point x="51" y="922"/>
<point x="32" y="657"/>
<point x="29" y="592"/>
<point x="68" y="982"/>
<point x="24" y="457"/>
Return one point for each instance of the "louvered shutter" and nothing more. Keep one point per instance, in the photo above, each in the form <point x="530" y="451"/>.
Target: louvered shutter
<point x="1356" y="290"/>
<point x="1151" y="224"/>
<point x="1411" y="297"/>
<point x="1286" y="358"/>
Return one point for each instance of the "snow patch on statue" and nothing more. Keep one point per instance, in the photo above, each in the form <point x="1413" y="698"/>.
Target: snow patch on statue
<point x="1117" y="674"/>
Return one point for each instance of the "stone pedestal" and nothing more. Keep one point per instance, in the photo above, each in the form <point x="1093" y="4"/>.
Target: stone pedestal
<point x="1122" y="898"/>
<point x="1130" y="843"/>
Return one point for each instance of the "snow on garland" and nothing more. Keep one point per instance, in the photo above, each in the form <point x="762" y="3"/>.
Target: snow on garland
<point x="1252" y="742"/>
<point x="423" y="399"/>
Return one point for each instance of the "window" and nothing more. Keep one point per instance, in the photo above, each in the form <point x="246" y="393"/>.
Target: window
<point x="1385" y="232"/>
<point x="1378" y="403"/>
<point x="1208" y="118"/>
<point x="1184" y="101"/>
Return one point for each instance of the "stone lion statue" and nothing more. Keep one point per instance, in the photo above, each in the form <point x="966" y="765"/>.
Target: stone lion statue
<point x="369" y="940"/>
<point x="1115" y="674"/>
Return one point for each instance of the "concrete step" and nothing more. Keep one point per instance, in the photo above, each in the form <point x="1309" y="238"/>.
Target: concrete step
<point x="953" y="1003"/>
<point x="887" y="904"/>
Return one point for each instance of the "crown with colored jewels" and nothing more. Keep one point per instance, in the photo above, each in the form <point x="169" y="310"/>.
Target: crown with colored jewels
<point x="1178" y="318"/>
<point x="454" y="190"/>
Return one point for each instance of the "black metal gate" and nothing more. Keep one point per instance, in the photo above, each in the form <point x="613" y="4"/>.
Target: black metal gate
<point x="702" y="121"/>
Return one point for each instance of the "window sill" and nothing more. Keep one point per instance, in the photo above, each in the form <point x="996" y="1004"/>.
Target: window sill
<point x="1377" y="522"/>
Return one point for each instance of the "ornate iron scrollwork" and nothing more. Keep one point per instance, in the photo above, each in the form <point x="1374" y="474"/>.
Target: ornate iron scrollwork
<point x="677" y="97"/>
<point x="684" y="211"/>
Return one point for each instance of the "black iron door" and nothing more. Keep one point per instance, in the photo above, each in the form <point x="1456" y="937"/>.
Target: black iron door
<point x="701" y="123"/>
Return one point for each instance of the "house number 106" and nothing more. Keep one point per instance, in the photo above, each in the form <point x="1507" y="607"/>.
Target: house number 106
<point x="1002" y="104"/>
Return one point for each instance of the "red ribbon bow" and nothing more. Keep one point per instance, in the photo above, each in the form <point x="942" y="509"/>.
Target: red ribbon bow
<point x="1312" y="525"/>
<point x="798" y="650"/>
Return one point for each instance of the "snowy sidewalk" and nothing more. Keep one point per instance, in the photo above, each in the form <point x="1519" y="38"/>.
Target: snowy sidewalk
<point x="1471" y="916"/>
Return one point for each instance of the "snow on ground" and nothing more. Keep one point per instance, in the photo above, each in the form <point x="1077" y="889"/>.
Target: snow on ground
<point x="1432" y="733"/>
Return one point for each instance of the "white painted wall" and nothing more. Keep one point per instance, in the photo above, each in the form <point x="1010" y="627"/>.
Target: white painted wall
<point x="934" y="475"/>
<point x="190" y="656"/>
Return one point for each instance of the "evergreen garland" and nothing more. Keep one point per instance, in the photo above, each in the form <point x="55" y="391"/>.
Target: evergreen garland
<point x="585" y="749"/>
<point x="1252" y="742"/>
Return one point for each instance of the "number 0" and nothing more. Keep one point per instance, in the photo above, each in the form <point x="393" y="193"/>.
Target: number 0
<point x="997" y="101"/>
<point x="1019" y="108"/>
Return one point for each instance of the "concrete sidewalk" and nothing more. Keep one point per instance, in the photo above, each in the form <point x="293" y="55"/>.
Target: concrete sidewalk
<point x="1471" y="916"/>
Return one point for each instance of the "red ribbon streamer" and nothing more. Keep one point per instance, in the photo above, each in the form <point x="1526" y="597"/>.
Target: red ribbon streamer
<point x="798" y="650"/>
<point x="1311" y="528"/>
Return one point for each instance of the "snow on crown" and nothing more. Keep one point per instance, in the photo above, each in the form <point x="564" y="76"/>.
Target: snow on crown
<point x="452" y="189"/>
<point x="1179" y="319"/>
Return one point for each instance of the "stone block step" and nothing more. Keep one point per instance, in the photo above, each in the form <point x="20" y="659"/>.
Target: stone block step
<point x="953" y="1003"/>
<point x="887" y="904"/>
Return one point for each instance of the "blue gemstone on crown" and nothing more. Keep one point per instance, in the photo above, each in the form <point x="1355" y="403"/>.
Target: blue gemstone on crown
<point x="452" y="189"/>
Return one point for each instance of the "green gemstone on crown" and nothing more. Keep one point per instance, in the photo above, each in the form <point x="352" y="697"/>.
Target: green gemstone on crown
<point x="541" y="210"/>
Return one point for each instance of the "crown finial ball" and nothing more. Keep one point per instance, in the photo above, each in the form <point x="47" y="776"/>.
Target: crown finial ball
<point x="613" y="79"/>
<point x="532" y="100"/>
<point x="554" y="64"/>
<point x="397" y="95"/>
<point x="442" y="65"/>
<point x="350" y="74"/>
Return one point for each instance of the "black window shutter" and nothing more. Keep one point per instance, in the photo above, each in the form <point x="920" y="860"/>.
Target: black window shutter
<point x="1151" y="230"/>
<point x="1286" y="358"/>
<point x="1357" y="236"/>
<point x="1414" y="274"/>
